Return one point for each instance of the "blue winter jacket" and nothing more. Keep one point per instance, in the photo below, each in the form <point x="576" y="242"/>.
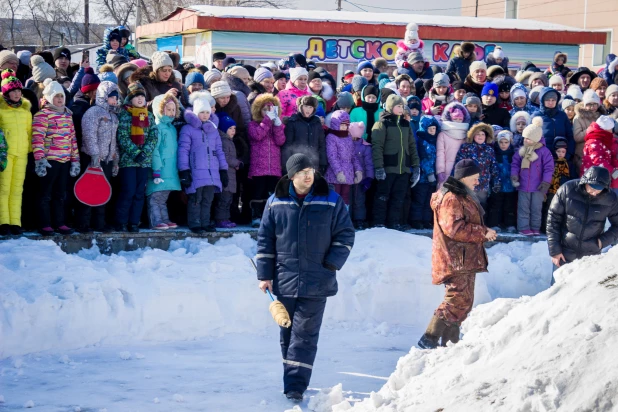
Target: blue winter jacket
<point x="426" y="144"/>
<point x="504" y="160"/>
<point x="555" y="124"/>
<point x="296" y="240"/>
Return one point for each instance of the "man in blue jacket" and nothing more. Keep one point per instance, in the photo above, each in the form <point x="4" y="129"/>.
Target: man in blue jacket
<point x="305" y="236"/>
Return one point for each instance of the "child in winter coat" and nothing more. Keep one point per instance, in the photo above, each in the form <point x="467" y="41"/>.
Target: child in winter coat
<point x="455" y="124"/>
<point x="296" y="88"/>
<point x="227" y="131"/>
<point x="137" y="138"/>
<point x="358" y="194"/>
<point x="304" y="134"/>
<point x="113" y="39"/>
<point x="493" y="114"/>
<point x="164" y="179"/>
<point x="558" y="66"/>
<point x="601" y="148"/>
<point x="201" y="162"/>
<point x="501" y="214"/>
<point x="568" y="107"/>
<point x="531" y="173"/>
<point x="519" y="100"/>
<point x="344" y="167"/>
<point x="563" y="172"/>
<point x="16" y="124"/>
<point x="55" y="147"/>
<point x="410" y="43"/>
<point x="463" y="56"/>
<point x="439" y="95"/>
<point x="478" y="147"/>
<point x="474" y="107"/>
<point x="421" y="215"/>
<point x="266" y="136"/>
<point x="396" y="163"/>
<point x="415" y="106"/>
<point x="99" y="149"/>
<point x="518" y="123"/>
<point x="369" y="110"/>
<point x="504" y="92"/>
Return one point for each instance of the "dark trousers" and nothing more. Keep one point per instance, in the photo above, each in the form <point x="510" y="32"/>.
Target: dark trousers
<point x="420" y="209"/>
<point x="222" y="210"/>
<point x="299" y="342"/>
<point x="242" y="197"/>
<point x="344" y="192"/>
<point x="198" y="207"/>
<point x="132" y="194"/>
<point x="53" y="191"/>
<point x="263" y="187"/>
<point x="548" y="198"/>
<point x="502" y="209"/>
<point x="390" y="194"/>
<point x="358" y="197"/>
<point x="86" y="216"/>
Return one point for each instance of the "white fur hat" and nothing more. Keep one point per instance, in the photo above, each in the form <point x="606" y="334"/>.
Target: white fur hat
<point x="201" y="102"/>
<point x="411" y="32"/>
<point x="161" y="59"/>
<point x="498" y="53"/>
<point x="590" y="96"/>
<point x="606" y="123"/>
<point x="52" y="88"/>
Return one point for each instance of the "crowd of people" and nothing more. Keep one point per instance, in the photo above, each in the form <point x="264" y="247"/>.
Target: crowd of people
<point x="205" y="147"/>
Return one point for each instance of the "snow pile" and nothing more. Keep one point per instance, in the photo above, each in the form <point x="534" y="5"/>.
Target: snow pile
<point x="54" y="301"/>
<point x="553" y="351"/>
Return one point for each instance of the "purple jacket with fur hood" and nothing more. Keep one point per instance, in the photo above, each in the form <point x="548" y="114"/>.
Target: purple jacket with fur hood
<point x="200" y="149"/>
<point x="341" y="152"/>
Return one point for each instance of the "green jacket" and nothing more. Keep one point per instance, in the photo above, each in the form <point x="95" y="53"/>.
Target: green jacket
<point x="358" y="114"/>
<point x="393" y="144"/>
<point x="128" y="149"/>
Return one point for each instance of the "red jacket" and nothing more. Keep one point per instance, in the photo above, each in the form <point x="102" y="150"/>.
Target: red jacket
<point x="600" y="149"/>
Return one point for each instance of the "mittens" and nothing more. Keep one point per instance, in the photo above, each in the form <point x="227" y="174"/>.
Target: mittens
<point x="225" y="180"/>
<point x="380" y="173"/>
<point x="185" y="178"/>
<point x="543" y="187"/>
<point x="75" y="169"/>
<point x="95" y="161"/>
<point x="41" y="166"/>
<point x="140" y="157"/>
<point x="515" y="181"/>
<point x="341" y="178"/>
<point x="431" y="178"/>
<point x="158" y="180"/>
<point x="358" y="176"/>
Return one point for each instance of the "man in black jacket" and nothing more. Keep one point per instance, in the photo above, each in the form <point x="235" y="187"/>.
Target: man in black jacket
<point x="577" y="215"/>
<point x="305" y="236"/>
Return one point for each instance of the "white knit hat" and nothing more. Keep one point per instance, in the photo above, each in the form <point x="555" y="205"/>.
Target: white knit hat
<point x="220" y="89"/>
<point x="200" y="102"/>
<point x="606" y="123"/>
<point x="590" y="96"/>
<point x="498" y="53"/>
<point x="534" y="131"/>
<point x="556" y="79"/>
<point x="41" y="70"/>
<point x="211" y="76"/>
<point x="476" y="65"/>
<point x="575" y="92"/>
<point x="161" y="59"/>
<point x="517" y="92"/>
<point x="296" y="72"/>
<point x="52" y="88"/>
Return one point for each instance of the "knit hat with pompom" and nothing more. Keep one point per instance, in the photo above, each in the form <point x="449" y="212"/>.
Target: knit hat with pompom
<point x="10" y="82"/>
<point x="41" y="70"/>
<point x="534" y="131"/>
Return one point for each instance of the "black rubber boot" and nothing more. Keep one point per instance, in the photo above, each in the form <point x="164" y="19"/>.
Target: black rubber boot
<point x="294" y="396"/>
<point x="431" y="338"/>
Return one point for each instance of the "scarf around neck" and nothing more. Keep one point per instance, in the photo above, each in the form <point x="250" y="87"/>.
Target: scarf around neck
<point x="11" y="103"/>
<point x="139" y="121"/>
<point x="528" y="154"/>
<point x="371" y="109"/>
<point x="339" y="133"/>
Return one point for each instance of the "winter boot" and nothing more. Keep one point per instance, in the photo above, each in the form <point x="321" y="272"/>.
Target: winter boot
<point x="210" y="228"/>
<point x="5" y="230"/>
<point x="16" y="230"/>
<point x="133" y="228"/>
<point x="451" y="333"/>
<point x="65" y="230"/>
<point x="432" y="335"/>
<point x="416" y="224"/>
<point x="294" y="396"/>
<point x="360" y="225"/>
<point x="197" y="230"/>
<point x="47" y="231"/>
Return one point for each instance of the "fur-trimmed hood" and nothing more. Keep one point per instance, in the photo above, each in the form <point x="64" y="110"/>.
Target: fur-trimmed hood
<point x="159" y="102"/>
<point x="582" y="113"/>
<point x="517" y="115"/>
<point x="448" y="110"/>
<point x="259" y="103"/>
<point x="236" y="84"/>
<point x="560" y="54"/>
<point x="25" y="104"/>
<point x="489" y="132"/>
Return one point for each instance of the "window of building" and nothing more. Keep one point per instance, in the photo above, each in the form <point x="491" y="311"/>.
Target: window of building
<point x="511" y="9"/>
<point x="602" y="50"/>
<point x="188" y="48"/>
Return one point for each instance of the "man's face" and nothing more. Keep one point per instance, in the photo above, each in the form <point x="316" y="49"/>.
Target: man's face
<point x="584" y="81"/>
<point x="592" y="191"/>
<point x="418" y="67"/>
<point x="303" y="180"/>
<point x="550" y="102"/>
<point x="471" y="181"/>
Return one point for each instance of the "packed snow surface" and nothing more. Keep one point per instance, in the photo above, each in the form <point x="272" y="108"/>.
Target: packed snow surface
<point x="187" y="328"/>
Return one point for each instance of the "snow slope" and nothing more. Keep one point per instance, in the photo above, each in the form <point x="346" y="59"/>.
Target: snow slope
<point x="54" y="301"/>
<point x="554" y="351"/>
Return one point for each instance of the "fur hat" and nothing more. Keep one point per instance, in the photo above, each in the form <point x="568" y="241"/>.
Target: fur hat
<point x="41" y="70"/>
<point x="534" y="131"/>
<point x="259" y="103"/>
<point x="262" y="74"/>
<point x="10" y="82"/>
<point x="220" y="89"/>
<point x="458" y="85"/>
<point x="415" y="56"/>
<point x="201" y="102"/>
<point x="133" y="90"/>
<point x="481" y="127"/>
<point x="478" y="65"/>
<point x="359" y="83"/>
<point x="490" y="89"/>
<point x="466" y="168"/>
<point x="411" y="33"/>
<point x="522" y="114"/>
<point x="575" y="92"/>
<point x="106" y="74"/>
<point x="567" y="103"/>
<point x="590" y="96"/>
<point x="296" y="72"/>
<point x="307" y="101"/>
<point x="392" y="101"/>
<point x="8" y="56"/>
<point x="161" y="59"/>
<point x="597" y="83"/>
<point x="175" y="58"/>
<point x="523" y="77"/>
<point x="495" y="70"/>
<point x="441" y="79"/>
<point x="225" y="122"/>
<point x="558" y="55"/>
<point x="52" y="88"/>
<point x="504" y="134"/>
<point x="467" y="47"/>
<point x="498" y="53"/>
<point x="606" y="123"/>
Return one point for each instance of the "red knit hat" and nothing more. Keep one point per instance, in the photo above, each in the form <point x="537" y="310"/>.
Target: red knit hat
<point x="10" y="82"/>
<point x="90" y="81"/>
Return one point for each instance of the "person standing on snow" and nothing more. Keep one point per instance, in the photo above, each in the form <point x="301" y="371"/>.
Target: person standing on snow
<point x="305" y="236"/>
<point x="577" y="215"/>
<point x="458" y="252"/>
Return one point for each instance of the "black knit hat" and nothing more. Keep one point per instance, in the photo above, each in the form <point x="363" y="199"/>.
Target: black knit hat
<point x="281" y="75"/>
<point x="218" y="56"/>
<point x="313" y="75"/>
<point x="457" y="85"/>
<point x="62" y="52"/>
<point x="465" y="168"/>
<point x="296" y="163"/>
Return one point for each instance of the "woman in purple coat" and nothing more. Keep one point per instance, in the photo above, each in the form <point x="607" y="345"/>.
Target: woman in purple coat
<point x="344" y="167"/>
<point x="201" y="163"/>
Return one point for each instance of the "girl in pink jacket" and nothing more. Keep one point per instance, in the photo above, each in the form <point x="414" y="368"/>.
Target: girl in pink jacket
<point x="297" y="87"/>
<point x="455" y="125"/>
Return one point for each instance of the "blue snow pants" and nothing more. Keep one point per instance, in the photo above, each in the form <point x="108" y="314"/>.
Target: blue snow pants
<point x="299" y="342"/>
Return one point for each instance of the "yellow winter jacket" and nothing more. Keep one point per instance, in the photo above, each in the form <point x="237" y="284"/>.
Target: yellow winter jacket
<point x="16" y="123"/>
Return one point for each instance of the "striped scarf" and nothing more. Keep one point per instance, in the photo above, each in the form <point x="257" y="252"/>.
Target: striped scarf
<point x="139" y="121"/>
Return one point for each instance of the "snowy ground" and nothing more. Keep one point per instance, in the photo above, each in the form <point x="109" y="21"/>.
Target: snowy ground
<point x="186" y="329"/>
